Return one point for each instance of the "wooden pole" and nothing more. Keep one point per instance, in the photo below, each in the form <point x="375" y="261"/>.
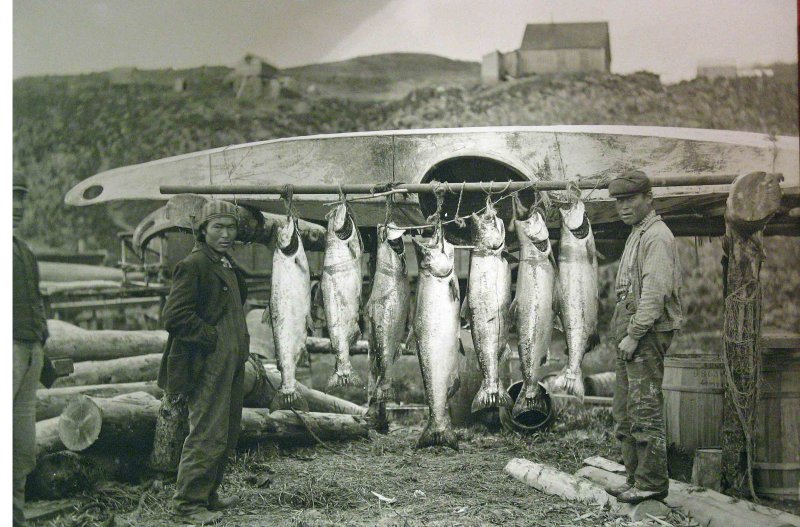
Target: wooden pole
<point x="752" y="201"/>
<point x="428" y="188"/>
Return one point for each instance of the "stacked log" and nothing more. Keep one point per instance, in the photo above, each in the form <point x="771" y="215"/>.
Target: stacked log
<point x="53" y="400"/>
<point x="120" y="424"/>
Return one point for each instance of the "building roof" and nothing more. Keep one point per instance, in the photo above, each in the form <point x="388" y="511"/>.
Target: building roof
<point x="566" y="36"/>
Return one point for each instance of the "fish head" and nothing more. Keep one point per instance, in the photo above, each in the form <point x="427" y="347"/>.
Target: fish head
<point x="488" y="230"/>
<point x="534" y="228"/>
<point x="392" y="235"/>
<point x="573" y="217"/>
<point x="338" y="217"/>
<point x="288" y="237"/>
<point x="436" y="257"/>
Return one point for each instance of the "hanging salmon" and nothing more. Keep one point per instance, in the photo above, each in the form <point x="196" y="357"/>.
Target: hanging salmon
<point x="488" y="301"/>
<point x="341" y="290"/>
<point x="577" y="288"/>
<point x="436" y="329"/>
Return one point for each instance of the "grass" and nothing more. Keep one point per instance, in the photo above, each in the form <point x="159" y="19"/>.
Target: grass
<point x="386" y="481"/>
<point x="431" y="487"/>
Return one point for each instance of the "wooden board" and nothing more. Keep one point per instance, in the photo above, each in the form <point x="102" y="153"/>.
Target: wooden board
<point x="471" y="154"/>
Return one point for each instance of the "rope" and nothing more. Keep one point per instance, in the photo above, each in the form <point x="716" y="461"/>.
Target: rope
<point x="287" y="196"/>
<point x="305" y="424"/>
<point x="741" y="350"/>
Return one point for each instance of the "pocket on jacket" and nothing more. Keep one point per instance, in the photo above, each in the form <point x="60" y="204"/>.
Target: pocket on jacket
<point x="180" y="370"/>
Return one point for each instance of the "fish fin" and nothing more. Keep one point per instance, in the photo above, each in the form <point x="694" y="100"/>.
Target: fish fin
<point x="570" y="383"/>
<point x="455" y="384"/>
<point x="558" y="323"/>
<point x="411" y="341"/>
<point x="464" y="313"/>
<point x="454" y="293"/>
<point x="287" y="400"/>
<point x="505" y="352"/>
<point x="512" y="313"/>
<point x="461" y="348"/>
<point x="592" y="341"/>
<point x="545" y="358"/>
<point x="510" y="258"/>
<point x="265" y="316"/>
<point x="377" y="418"/>
<point x="309" y="324"/>
<point x="431" y="437"/>
<point x="486" y="398"/>
<point x="344" y="379"/>
<point x="531" y="397"/>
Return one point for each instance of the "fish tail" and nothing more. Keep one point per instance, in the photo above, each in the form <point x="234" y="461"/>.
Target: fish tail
<point x="487" y="397"/>
<point x="288" y="400"/>
<point x="339" y="378"/>
<point x="377" y="418"/>
<point x="529" y="398"/>
<point x="570" y="383"/>
<point x="432" y="437"/>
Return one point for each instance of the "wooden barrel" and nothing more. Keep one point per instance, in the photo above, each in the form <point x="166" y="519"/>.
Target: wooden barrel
<point x="776" y="471"/>
<point x="693" y="390"/>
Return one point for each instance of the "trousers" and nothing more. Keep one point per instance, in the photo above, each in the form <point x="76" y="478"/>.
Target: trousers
<point x="28" y="360"/>
<point x="638" y="406"/>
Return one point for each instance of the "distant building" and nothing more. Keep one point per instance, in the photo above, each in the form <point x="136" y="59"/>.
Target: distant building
<point x="784" y="73"/>
<point x="250" y="75"/>
<point x="711" y="70"/>
<point x="552" y="48"/>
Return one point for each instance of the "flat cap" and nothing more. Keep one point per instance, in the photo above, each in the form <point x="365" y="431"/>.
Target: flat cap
<point x="215" y="208"/>
<point x="629" y="183"/>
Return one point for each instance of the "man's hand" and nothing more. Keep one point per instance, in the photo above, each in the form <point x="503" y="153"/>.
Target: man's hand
<point x="628" y="347"/>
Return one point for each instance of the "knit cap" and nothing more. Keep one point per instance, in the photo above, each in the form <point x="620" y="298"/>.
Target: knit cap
<point x="213" y="209"/>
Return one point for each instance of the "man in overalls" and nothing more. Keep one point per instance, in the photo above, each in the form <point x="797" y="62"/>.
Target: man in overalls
<point x="206" y="352"/>
<point x="647" y="314"/>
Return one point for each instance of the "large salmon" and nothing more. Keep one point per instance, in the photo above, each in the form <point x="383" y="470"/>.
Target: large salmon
<point x="341" y="290"/>
<point x="488" y="301"/>
<point x="290" y="311"/>
<point x="436" y="329"/>
<point x="577" y="289"/>
<point x="533" y="307"/>
<point x="387" y="313"/>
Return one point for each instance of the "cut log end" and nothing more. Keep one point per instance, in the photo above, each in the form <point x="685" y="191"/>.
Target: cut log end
<point x="753" y="199"/>
<point x="80" y="423"/>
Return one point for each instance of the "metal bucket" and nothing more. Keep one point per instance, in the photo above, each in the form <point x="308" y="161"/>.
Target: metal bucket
<point x="529" y="421"/>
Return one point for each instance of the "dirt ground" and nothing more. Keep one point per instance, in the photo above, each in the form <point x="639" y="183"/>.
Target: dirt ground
<point x="384" y="481"/>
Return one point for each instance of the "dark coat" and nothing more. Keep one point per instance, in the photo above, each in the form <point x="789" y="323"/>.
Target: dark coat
<point x="196" y="303"/>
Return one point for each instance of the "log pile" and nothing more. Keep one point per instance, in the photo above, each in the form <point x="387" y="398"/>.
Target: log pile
<point x="101" y="421"/>
<point x="705" y="506"/>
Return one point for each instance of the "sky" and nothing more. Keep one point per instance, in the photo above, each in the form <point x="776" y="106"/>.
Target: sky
<point x="668" y="37"/>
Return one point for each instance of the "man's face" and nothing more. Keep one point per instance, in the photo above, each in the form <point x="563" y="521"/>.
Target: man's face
<point x="18" y="206"/>
<point x="632" y="209"/>
<point x="220" y="233"/>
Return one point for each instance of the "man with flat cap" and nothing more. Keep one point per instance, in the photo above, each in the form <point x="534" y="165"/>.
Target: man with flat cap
<point x="647" y="314"/>
<point x="205" y="354"/>
<point x="29" y="335"/>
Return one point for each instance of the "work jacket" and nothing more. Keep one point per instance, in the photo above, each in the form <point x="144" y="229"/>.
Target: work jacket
<point x="30" y="323"/>
<point x="655" y="280"/>
<point x="197" y="301"/>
